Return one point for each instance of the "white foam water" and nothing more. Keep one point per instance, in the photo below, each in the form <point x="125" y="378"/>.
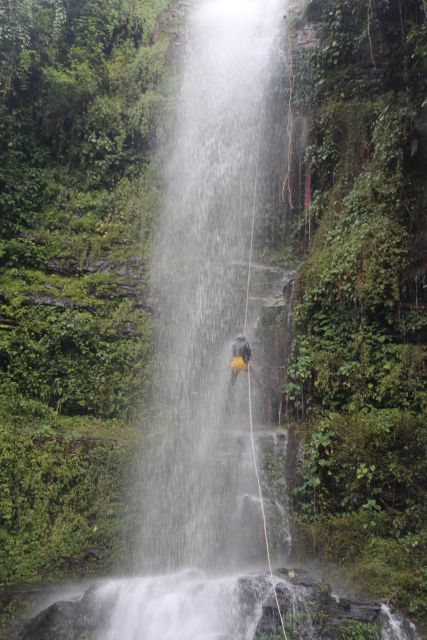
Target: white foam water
<point x="183" y="606"/>
<point x="395" y="627"/>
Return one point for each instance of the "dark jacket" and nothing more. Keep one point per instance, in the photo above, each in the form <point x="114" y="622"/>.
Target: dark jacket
<point x="242" y="349"/>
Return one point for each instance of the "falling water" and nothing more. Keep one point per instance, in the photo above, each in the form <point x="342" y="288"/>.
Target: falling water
<point x="395" y="627"/>
<point x="192" y="478"/>
<point x="196" y="485"/>
<point x="184" y="606"/>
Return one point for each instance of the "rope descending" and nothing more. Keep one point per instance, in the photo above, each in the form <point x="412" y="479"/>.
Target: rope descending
<point x="264" y="519"/>
<point x="261" y="498"/>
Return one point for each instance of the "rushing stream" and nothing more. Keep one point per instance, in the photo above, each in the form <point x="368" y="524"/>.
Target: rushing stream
<point x="182" y="606"/>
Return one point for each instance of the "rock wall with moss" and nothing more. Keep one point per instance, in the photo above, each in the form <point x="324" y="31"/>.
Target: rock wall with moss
<point x="83" y="89"/>
<point x="356" y="378"/>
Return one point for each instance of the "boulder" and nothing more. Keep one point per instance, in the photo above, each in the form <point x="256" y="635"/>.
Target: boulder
<point x="69" y="620"/>
<point x="310" y="609"/>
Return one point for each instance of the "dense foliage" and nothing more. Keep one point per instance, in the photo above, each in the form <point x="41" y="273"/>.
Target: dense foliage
<point x="357" y="374"/>
<point x="79" y="98"/>
<point x="59" y="497"/>
<point x="82" y="87"/>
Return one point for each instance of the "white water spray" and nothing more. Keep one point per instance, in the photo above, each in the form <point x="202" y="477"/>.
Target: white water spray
<point x="395" y="627"/>
<point x="199" y="465"/>
<point x="188" y="489"/>
<point x="182" y="606"/>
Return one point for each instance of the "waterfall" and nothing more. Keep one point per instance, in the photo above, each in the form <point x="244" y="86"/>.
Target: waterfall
<point x="200" y="558"/>
<point x="200" y="519"/>
<point x="188" y="489"/>
<point x="184" y="606"/>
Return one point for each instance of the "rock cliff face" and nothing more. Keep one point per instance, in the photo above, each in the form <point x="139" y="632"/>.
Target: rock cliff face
<point x="311" y="610"/>
<point x="355" y="382"/>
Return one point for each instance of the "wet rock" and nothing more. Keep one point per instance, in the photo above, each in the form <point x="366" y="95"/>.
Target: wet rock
<point x="362" y="610"/>
<point x="306" y="38"/>
<point x="81" y="559"/>
<point x="309" y="610"/>
<point x="63" y="266"/>
<point x="56" y="621"/>
<point x="300" y="577"/>
<point x="133" y="268"/>
<point x="314" y="11"/>
<point x="69" y="620"/>
<point x="125" y="281"/>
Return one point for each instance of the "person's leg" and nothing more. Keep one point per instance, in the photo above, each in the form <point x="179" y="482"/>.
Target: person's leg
<point x="231" y="384"/>
<point x="229" y="403"/>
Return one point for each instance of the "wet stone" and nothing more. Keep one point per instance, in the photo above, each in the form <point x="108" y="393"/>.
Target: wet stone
<point x="309" y="609"/>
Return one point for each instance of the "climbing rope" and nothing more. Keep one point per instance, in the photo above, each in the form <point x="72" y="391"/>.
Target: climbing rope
<point x="261" y="498"/>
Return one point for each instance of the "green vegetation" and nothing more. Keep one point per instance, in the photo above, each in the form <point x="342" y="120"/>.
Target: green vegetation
<point x="80" y="101"/>
<point x="356" y="380"/>
<point x="349" y="630"/>
<point x="359" y="631"/>
<point x="83" y="87"/>
<point x="60" y="496"/>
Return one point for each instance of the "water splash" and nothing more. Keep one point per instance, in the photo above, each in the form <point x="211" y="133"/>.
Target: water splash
<point x="184" y="606"/>
<point x="395" y="627"/>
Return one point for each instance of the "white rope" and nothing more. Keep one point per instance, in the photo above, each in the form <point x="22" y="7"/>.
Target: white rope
<point x="261" y="498"/>
<point x="264" y="519"/>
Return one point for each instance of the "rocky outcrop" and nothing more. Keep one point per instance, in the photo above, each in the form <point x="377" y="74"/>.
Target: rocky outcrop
<point x="125" y="280"/>
<point x="68" y="620"/>
<point x="60" y="302"/>
<point x="310" y="609"/>
<point x="132" y="268"/>
<point x="308" y="606"/>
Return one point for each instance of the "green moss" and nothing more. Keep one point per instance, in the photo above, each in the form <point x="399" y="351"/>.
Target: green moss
<point x="357" y="373"/>
<point x="82" y="92"/>
<point x="60" y="497"/>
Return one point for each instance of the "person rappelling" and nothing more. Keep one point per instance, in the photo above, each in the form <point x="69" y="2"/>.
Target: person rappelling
<point x="241" y="358"/>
